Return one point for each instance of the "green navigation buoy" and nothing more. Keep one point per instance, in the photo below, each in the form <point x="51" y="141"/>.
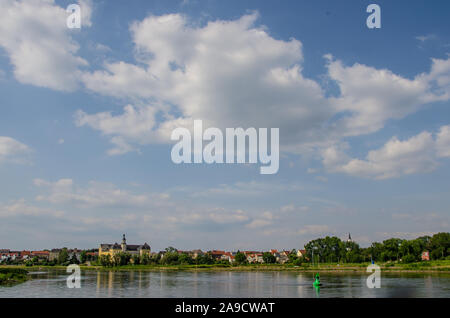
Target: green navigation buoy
<point x="317" y="281"/>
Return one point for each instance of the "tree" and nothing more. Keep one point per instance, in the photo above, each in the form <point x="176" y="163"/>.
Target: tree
<point x="391" y="249"/>
<point x="440" y="245"/>
<point x="170" y="256"/>
<point x="136" y="259"/>
<point x="185" y="259"/>
<point x="292" y="257"/>
<point x="240" y="258"/>
<point x="74" y="259"/>
<point x="204" y="259"/>
<point x="83" y="257"/>
<point x="105" y="260"/>
<point x="144" y="259"/>
<point x="269" y="258"/>
<point x="63" y="256"/>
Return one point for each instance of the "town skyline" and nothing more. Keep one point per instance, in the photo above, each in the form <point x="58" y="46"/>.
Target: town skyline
<point x="161" y="247"/>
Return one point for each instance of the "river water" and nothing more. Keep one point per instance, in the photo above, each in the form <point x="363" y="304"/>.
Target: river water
<point x="52" y="283"/>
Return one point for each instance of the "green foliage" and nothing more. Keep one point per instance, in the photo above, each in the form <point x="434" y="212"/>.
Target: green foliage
<point x="136" y="259"/>
<point x="63" y="256"/>
<point x="74" y="259"/>
<point x="332" y="249"/>
<point x="440" y="245"/>
<point x="185" y="259"/>
<point x="83" y="257"/>
<point x="409" y="258"/>
<point x="204" y="259"/>
<point x="240" y="258"/>
<point x="170" y="257"/>
<point x="105" y="260"/>
<point x="12" y="275"/>
<point x="269" y="258"/>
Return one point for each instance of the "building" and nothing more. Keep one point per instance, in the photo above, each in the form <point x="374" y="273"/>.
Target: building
<point x="112" y="249"/>
<point x="301" y="253"/>
<point x="256" y="257"/>
<point x="196" y="253"/>
<point x="40" y="254"/>
<point x="53" y="254"/>
<point x="217" y="254"/>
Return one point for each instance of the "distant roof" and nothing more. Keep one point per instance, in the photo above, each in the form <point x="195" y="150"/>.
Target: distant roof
<point x="146" y="246"/>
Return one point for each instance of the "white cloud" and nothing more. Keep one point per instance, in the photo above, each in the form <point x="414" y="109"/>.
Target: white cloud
<point x="39" y="44"/>
<point x="372" y="96"/>
<point x="219" y="216"/>
<point x="21" y="208"/>
<point x="12" y="150"/>
<point x="396" y="158"/>
<point x="235" y="74"/>
<point x="423" y="38"/>
<point x="264" y="220"/>
<point x="228" y="73"/>
<point x="443" y="142"/>
<point x="97" y="194"/>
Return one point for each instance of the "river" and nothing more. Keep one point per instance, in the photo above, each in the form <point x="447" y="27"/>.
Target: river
<point x="52" y="283"/>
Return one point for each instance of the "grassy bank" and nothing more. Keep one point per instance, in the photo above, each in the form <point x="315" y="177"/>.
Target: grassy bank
<point x="11" y="276"/>
<point x="432" y="266"/>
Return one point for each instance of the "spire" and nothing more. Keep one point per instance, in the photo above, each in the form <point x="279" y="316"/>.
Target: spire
<point x="349" y="238"/>
<point x="124" y="244"/>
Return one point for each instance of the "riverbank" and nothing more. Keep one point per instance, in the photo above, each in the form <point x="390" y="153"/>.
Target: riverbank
<point x="12" y="276"/>
<point x="422" y="267"/>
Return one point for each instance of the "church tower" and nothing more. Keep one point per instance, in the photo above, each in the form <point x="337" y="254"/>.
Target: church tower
<point x="124" y="244"/>
<point x="349" y="238"/>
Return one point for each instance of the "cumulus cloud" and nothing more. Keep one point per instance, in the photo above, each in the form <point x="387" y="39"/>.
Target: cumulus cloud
<point x="235" y="74"/>
<point x="12" y="150"/>
<point x="228" y="73"/>
<point x="39" y="44"/>
<point x="372" y="96"/>
<point x="417" y="154"/>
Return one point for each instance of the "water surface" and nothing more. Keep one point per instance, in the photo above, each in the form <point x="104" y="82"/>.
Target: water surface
<point x="52" y="283"/>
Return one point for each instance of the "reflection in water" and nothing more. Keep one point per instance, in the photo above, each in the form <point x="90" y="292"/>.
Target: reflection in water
<point x="227" y="285"/>
<point x="317" y="288"/>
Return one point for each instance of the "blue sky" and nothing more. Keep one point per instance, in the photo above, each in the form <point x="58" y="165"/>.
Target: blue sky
<point x="363" y="117"/>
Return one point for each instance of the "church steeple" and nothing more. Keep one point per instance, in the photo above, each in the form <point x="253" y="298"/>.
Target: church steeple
<point x="124" y="244"/>
<point x="349" y="238"/>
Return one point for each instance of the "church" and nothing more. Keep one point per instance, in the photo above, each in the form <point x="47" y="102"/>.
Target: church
<point x="112" y="249"/>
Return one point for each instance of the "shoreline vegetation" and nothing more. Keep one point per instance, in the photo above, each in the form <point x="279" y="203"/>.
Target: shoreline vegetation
<point x="442" y="266"/>
<point x="12" y="275"/>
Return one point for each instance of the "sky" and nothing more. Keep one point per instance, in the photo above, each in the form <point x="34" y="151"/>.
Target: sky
<point x="86" y="117"/>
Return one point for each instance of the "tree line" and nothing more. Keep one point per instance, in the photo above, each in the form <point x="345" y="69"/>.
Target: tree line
<point x="333" y="249"/>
